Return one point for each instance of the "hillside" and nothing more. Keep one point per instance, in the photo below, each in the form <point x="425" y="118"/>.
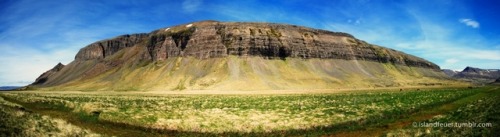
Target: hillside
<point x="215" y="55"/>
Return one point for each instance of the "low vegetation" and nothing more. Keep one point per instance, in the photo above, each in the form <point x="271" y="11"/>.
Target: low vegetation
<point x="476" y="116"/>
<point x="17" y="121"/>
<point x="313" y="114"/>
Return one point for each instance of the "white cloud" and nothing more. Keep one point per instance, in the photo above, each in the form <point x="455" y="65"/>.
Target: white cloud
<point x="34" y="41"/>
<point x="481" y="54"/>
<point x="470" y="22"/>
<point x="191" y="6"/>
<point x="437" y="42"/>
<point x="451" y="61"/>
<point x="22" y="65"/>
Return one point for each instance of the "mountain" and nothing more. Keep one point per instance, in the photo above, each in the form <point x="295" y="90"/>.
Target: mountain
<point x="450" y="72"/>
<point x="45" y="76"/>
<point x="238" y="56"/>
<point x="4" y="88"/>
<point x="475" y="75"/>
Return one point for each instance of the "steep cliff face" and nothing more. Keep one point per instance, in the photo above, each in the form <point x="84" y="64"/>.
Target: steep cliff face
<point x="211" y="40"/>
<point x="215" y="39"/>
<point x="104" y="48"/>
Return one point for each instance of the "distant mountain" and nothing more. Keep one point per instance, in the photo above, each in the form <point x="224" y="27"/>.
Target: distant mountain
<point x="9" y="87"/>
<point x="476" y="75"/>
<point x="450" y="72"/>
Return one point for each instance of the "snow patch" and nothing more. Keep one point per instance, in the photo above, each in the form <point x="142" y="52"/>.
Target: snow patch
<point x="167" y="29"/>
<point x="189" y="25"/>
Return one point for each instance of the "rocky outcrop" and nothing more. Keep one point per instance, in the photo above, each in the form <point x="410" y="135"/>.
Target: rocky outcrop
<point x="211" y="39"/>
<point x="46" y="75"/>
<point x="104" y="48"/>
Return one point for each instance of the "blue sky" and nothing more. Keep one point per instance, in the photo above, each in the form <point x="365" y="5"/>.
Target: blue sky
<point x="37" y="34"/>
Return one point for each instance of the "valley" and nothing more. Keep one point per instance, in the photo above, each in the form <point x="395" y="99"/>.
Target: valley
<point x="327" y="112"/>
<point x="251" y="68"/>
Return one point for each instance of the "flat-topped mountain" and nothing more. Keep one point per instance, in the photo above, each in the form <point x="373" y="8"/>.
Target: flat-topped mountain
<point x="212" y="39"/>
<point x="238" y="56"/>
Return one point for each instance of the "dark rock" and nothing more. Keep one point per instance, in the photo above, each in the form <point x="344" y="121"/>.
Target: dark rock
<point x="104" y="48"/>
<point x="96" y="113"/>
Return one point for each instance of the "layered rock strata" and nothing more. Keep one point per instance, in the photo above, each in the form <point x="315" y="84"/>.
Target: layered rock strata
<point x="212" y="39"/>
<point x="201" y="55"/>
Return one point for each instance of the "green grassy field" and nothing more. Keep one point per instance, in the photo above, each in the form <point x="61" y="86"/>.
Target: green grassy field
<point x="360" y="113"/>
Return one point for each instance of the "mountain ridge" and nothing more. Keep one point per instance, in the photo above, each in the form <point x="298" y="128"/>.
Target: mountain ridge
<point x="175" y="40"/>
<point x="286" y="49"/>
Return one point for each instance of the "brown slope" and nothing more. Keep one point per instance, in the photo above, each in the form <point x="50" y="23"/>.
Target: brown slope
<point x="48" y="74"/>
<point x="218" y="55"/>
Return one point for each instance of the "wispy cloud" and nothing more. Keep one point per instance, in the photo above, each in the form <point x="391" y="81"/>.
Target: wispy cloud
<point x="470" y="22"/>
<point x="246" y="11"/>
<point x="451" y="61"/>
<point x="21" y="65"/>
<point x="191" y="6"/>
<point x="356" y="22"/>
<point x="38" y="35"/>
<point x="427" y="35"/>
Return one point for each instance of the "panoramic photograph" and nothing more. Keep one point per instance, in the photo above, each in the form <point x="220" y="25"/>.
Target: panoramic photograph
<point x="340" y="68"/>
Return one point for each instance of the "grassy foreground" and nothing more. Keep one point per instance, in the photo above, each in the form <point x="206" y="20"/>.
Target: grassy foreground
<point x="377" y="113"/>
